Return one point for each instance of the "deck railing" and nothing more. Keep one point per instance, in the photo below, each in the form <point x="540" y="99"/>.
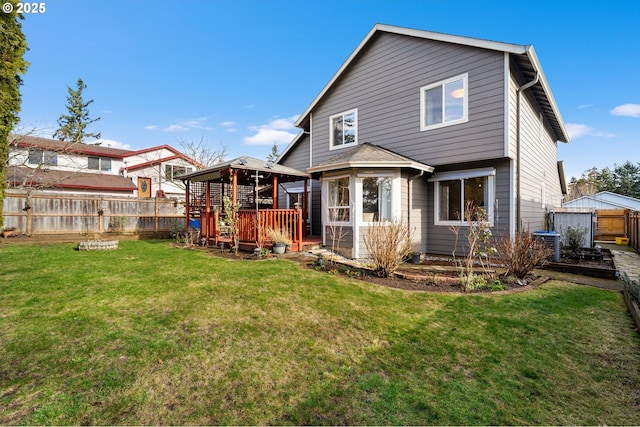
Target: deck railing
<point x="253" y="226"/>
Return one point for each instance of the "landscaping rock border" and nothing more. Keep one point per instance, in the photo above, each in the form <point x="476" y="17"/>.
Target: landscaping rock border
<point x="97" y="245"/>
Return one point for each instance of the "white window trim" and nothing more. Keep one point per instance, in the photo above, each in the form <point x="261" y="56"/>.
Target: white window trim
<point x="395" y="194"/>
<point x="465" y="105"/>
<point x="464" y="174"/>
<point x="344" y="113"/>
<point x="325" y="201"/>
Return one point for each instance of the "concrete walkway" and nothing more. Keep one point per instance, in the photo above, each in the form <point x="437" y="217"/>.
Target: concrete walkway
<point x="627" y="262"/>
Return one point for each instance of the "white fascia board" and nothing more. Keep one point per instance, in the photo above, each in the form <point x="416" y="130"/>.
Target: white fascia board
<point x="351" y="165"/>
<point x="531" y="54"/>
<point x="448" y="38"/>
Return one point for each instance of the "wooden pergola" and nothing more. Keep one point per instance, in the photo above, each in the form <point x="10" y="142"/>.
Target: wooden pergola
<point x="254" y="185"/>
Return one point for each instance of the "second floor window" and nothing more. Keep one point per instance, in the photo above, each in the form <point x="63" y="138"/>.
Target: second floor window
<point x="444" y="103"/>
<point x="344" y="129"/>
<point x="99" y="163"/>
<point x="43" y="157"/>
<point x="172" y="172"/>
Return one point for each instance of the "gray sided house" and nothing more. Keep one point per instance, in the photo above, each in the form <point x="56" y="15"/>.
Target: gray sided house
<point x="415" y="123"/>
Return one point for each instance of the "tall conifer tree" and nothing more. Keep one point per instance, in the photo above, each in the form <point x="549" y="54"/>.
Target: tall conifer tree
<point x="13" y="46"/>
<point x="73" y="125"/>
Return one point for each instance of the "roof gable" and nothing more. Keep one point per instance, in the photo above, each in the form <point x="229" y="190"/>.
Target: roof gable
<point x="526" y="61"/>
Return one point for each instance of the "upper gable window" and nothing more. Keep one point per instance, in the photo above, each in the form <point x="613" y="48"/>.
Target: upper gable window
<point x="99" y="163"/>
<point x="172" y="172"/>
<point x="444" y="103"/>
<point x="343" y="129"/>
<point x="42" y="157"/>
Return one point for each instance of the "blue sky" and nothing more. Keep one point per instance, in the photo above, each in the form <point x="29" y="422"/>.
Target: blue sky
<point x="237" y="73"/>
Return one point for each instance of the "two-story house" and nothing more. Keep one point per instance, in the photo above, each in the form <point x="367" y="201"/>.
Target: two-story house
<point x="414" y="124"/>
<point x="59" y="166"/>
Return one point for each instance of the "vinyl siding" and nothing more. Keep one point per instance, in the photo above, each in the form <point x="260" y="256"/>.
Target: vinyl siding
<point x="539" y="154"/>
<point x="384" y="85"/>
<point x="298" y="158"/>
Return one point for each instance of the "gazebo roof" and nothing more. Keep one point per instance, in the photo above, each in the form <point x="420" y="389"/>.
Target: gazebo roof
<point x="245" y="167"/>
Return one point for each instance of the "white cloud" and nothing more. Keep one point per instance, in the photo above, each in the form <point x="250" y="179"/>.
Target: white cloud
<point x="229" y="126"/>
<point x="187" y="125"/>
<point x="175" y="128"/>
<point x="274" y="132"/>
<point x="577" y="130"/>
<point x="627" y="110"/>
<point x="112" y="144"/>
<point x="151" y="127"/>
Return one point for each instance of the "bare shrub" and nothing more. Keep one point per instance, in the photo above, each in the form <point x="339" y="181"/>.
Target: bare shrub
<point x="232" y="221"/>
<point x="388" y="243"/>
<point x="522" y="254"/>
<point x="573" y="240"/>
<point x="479" y="247"/>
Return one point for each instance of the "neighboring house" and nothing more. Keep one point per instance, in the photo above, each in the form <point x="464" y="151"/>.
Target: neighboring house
<point x="604" y="200"/>
<point x="415" y="123"/>
<point x="54" y="165"/>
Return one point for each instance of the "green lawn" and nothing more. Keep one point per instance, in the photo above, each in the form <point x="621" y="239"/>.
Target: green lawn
<point x="151" y="334"/>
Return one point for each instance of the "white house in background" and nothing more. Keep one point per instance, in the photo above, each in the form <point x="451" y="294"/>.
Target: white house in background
<point x="604" y="200"/>
<point x="67" y="167"/>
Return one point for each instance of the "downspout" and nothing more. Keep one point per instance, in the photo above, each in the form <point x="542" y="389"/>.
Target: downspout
<point x="409" y="192"/>
<point x="520" y="90"/>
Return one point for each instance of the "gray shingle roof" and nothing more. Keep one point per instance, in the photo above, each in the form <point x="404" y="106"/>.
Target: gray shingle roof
<point x="368" y="155"/>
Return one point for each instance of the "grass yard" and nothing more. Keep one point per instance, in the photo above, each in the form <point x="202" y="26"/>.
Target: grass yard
<point x="151" y="334"/>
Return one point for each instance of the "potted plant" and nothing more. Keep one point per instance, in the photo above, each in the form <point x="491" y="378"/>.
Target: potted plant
<point x="280" y="239"/>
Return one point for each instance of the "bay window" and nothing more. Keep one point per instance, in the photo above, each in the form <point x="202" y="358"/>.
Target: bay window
<point x="338" y="201"/>
<point x="376" y="199"/>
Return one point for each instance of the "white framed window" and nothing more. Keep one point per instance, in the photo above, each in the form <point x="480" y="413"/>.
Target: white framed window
<point x="452" y="191"/>
<point x="338" y="200"/>
<point x="444" y="103"/>
<point x="42" y="157"/>
<point x="376" y="198"/>
<point x="343" y="129"/>
<point x="171" y="172"/>
<point x="99" y="163"/>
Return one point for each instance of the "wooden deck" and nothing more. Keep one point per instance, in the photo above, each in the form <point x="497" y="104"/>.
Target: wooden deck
<point x="309" y="242"/>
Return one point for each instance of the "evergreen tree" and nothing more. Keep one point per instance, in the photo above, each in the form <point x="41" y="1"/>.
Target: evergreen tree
<point x="13" y="46"/>
<point x="273" y="156"/>
<point x="627" y="179"/>
<point x="72" y="126"/>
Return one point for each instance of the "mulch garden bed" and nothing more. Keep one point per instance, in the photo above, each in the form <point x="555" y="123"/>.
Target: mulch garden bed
<point x="438" y="275"/>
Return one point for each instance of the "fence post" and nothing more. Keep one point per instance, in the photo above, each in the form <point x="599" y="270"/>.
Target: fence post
<point x="156" y="213"/>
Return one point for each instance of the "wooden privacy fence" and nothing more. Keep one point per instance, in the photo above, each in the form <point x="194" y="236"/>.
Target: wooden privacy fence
<point x="612" y="223"/>
<point x="633" y="221"/>
<point x="54" y="213"/>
